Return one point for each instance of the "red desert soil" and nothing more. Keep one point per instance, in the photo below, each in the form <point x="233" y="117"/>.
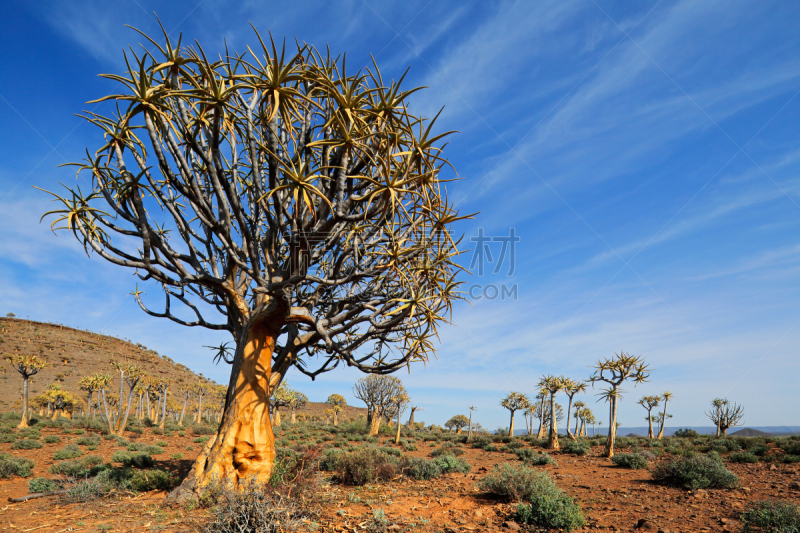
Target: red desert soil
<point x="613" y="498"/>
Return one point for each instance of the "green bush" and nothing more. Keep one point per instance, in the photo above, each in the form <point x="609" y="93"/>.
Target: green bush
<point x="687" y="433"/>
<point x="51" y="439"/>
<point x="135" y="459"/>
<point x="513" y="482"/>
<point x="771" y="516"/>
<point x="152" y="449"/>
<point x="76" y="467"/>
<point x="366" y="465"/>
<point x="636" y="461"/>
<point x="742" y="457"/>
<point x="26" y="444"/>
<point x="450" y="463"/>
<point x="550" y="507"/>
<point x="162" y="443"/>
<point x="576" y="447"/>
<point x="14" y="466"/>
<point x="89" y="440"/>
<point x="70" y="451"/>
<point x="115" y="479"/>
<point x="531" y="457"/>
<point x="203" y="430"/>
<point x="697" y="472"/>
<point x="41" y="484"/>
<point x="202" y="440"/>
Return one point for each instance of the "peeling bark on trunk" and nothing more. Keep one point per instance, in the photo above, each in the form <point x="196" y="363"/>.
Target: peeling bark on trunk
<point x="663" y="420"/>
<point x="23" y="423"/>
<point x="244" y="446"/>
<point x="511" y="425"/>
<point x="375" y="425"/>
<point x="552" y="440"/>
<point x="650" y="428"/>
<point x="397" y="435"/>
<point x="612" y="430"/>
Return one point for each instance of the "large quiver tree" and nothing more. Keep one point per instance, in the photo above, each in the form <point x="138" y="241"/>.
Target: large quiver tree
<point x="280" y="198"/>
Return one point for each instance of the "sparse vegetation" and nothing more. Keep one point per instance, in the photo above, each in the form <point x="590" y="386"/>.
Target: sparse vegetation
<point x="695" y="472"/>
<point x="771" y="516"/>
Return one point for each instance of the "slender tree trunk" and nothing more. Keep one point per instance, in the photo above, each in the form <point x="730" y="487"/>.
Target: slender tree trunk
<point x="663" y="421"/>
<point x="23" y="423"/>
<point x="612" y="429"/>
<point x="552" y="441"/>
<point x="397" y="435"/>
<point x="199" y="407"/>
<point x="124" y="422"/>
<point x="293" y="419"/>
<point x="244" y="446"/>
<point x="511" y="426"/>
<point x="183" y="411"/>
<point x="650" y="428"/>
<point x="569" y="412"/>
<point x="582" y="432"/>
<point x="335" y="416"/>
<point x="411" y="418"/>
<point x="724" y="431"/>
<point x="718" y="430"/>
<point x="164" y="407"/>
<point x="469" y="431"/>
<point x="577" y="420"/>
<point x="121" y="396"/>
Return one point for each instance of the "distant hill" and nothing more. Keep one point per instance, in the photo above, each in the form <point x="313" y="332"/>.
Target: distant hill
<point x="74" y="353"/>
<point x="635" y="436"/>
<point x="749" y="432"/>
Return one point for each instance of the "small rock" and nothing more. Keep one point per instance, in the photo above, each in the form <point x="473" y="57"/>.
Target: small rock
<point x="395" y="527"/>
<point x="513" y="526"/>
<point x="773" y="467"/>
<point x="479" y="513"/>
<point x="644" y="525"/>
<point x="794" y="485"/>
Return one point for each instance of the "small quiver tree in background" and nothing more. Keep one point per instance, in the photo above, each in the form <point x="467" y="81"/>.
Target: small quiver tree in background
<point x="457" y="423"/>
<point x="667" y="396"/>
<point x="337" y="402"/>
<point x="571" y="388"/>
<point x="615" y="371"/>
<point x="553" y="385"/>
<point x="27" y="366"/>
<point x="649" y="403"/>
<point x="278" y="197"/>
<point x="399" y="404"/>
<point x="377" y="392"/>
<point x="281" y="397"/>
<point x="297" y="401"/>
<point x="725" y="415"/>
<point x="514" y="402"/>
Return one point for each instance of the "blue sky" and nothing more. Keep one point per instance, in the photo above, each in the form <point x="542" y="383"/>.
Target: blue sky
<point x="645" y="153"/>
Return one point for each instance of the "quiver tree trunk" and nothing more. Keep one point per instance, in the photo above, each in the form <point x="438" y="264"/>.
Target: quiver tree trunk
<point x="511" y="425"/>
<point x="375" y="424"/>
<point x="23" y="423"/>
<point x="552" y="439"/>
<point x="244" y="447"/>
<point x="612" y="429"/>
<point x="650" y="434"/>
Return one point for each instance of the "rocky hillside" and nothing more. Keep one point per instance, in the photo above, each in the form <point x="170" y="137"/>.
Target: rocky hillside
<point x="73" y="354"/>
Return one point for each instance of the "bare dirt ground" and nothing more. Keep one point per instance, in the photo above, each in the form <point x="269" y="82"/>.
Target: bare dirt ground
<point x="613" y="498"/>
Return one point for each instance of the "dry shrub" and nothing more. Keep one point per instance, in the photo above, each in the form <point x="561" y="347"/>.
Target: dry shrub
<point x="258" y="509"/>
